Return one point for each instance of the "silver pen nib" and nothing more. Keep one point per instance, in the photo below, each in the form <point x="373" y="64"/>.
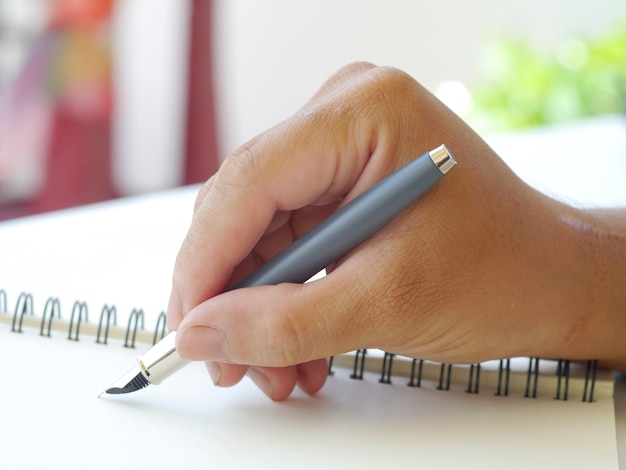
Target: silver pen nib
<point x="131" y="381"/>
<point x="158" y="363"/>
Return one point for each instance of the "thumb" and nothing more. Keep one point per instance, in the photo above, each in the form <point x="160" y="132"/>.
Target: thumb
<point x="273" y="326"/>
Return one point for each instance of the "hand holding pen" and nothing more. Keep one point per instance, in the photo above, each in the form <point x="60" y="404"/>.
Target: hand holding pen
<point x="464" y="275"/>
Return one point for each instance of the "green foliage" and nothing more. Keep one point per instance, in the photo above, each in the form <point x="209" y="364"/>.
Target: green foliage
<point x="525" y="87"/>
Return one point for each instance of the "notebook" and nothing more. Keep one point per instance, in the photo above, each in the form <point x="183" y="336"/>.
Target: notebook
<point x="371" y="413"/>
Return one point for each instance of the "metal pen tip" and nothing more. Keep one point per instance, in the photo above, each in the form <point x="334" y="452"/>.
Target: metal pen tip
<point x="130" y="382"/>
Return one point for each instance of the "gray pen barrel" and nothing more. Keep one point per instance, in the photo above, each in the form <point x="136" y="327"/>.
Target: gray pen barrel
<point x="353" y="223"/>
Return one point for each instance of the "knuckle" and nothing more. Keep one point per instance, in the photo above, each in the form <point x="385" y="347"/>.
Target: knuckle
<point x="395" y="88"/>
<point x="390" y="80"/>
<point x="342" y="76"/>
<point x="240" y="168"/>
<point x="353" y="69"/>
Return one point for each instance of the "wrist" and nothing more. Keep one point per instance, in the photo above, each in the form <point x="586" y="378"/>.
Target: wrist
<point x="592" y="285"/>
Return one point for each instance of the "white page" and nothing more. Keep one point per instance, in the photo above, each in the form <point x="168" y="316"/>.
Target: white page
<point x="120" y="252"/>
<point x="51" y="417"/>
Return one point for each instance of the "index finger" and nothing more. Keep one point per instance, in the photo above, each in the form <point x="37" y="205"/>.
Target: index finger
<point x="290" y="166"/>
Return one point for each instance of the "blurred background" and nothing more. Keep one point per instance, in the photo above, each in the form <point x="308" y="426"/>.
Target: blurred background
<point x="107" y="98"/>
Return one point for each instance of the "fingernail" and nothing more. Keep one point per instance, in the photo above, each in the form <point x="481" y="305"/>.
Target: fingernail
<point x="201" y="343"/>
<point x="215" y="372"/>
<point x="262" y="381"/>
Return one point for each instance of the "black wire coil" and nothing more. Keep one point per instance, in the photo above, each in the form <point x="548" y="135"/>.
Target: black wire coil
<point x="108" y="319"/>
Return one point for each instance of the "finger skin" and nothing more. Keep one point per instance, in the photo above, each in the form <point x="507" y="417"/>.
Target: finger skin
<point x="276" y="382"/>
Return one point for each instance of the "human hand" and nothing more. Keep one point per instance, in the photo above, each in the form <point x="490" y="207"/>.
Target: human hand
<point x="453" y="279"/>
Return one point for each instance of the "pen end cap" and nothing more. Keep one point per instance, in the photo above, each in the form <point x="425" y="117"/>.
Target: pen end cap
<point x="442" y="158"/>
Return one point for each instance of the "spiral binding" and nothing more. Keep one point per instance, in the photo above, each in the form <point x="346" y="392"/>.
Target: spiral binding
<point x="474" y="378"/>
<point x="473" y="372"/>
<point x="23" y="307"/>
<point x="133" y="322"/>
<point x="78" y="310"/>
<point x="52" y="307"/>
<point x="105" y="314"/>
<point x="161" y="328"/>
<point x="504" y="373"/>
<point x="417" y="371"/>
<point x="134" y="332"/>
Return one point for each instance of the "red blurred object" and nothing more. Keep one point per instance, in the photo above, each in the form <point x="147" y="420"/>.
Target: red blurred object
<point x="201" y="157"/>
<point x="80" y="12"/>
<point x="79" y="147"/>
<point x="79" y="163"/>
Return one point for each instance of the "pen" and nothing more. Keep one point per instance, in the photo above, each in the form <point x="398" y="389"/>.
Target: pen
<point x="325" y="243"/>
